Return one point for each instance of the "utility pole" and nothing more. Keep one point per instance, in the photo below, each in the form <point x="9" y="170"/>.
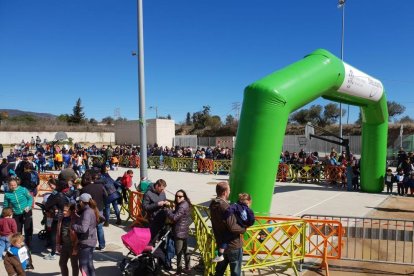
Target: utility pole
<point x="236" y="109"/>
<point x="341" y="4"/>
<point x="141" y="92"/>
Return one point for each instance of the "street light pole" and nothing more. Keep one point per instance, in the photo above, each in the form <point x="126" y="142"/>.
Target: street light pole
<point x="156" y="111"/>
<point x="141" y="92"/>
<point x="341" y="4"/>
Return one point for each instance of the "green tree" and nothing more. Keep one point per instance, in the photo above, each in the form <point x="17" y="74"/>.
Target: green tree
<point x="394" y="109"/>
<point x="213" y="122"/>
<point x="93" y="122"/>
<point x="318" y="115"/>
<point x="188" y="119"/>
<point x="63" y="118"/>
<point x="108" y="120"/>
<point x="200" y="118"/>
<point x="78" y="116"/>
<point x="230" y="120"/>
<point x="406" y="120"/>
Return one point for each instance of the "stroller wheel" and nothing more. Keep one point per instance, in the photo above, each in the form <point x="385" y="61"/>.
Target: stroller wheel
<point x="41" y="235"/>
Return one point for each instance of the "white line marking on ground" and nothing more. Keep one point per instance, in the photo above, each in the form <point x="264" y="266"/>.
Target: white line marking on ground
<point x="323" y="201"/>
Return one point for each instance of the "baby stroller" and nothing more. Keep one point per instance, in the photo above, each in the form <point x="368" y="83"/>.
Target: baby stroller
<point x="46" y="221"/>
<point x="142" y="259"/>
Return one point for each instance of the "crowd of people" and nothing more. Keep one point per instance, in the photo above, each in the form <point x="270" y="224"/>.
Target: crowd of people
<point x="76" y="212"/>
<point x="403" y="176"/>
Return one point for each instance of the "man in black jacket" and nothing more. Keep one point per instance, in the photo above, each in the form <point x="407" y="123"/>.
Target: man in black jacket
<point x="154" y="203"/>
<point x="99" y="195"/>
<point x="226" y="230"/>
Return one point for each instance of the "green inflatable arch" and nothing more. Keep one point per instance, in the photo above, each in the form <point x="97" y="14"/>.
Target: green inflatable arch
<point x="266" y="107"/>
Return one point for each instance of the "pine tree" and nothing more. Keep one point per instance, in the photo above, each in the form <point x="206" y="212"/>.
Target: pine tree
<point x="78" y="116"/>
<point x="188" y="119"/>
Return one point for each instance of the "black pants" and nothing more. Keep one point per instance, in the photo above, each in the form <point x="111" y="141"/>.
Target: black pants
<point x="52" y="236"/>
<point x="400" y="188"/>
<point x="65" y="255"/>
<point x="25" y="222"/>
<point x="389" y="187"/>
<point x="182" y="249"/>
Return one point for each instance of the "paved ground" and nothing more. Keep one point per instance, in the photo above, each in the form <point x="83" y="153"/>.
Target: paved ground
<point x="290" y="199"/>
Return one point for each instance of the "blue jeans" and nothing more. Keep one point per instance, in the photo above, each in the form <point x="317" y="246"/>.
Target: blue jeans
<point x="4" y="244"/>
<point x="234" y="258"/>
<point x="86" y="261"/>
<point x="112" y="199"/>
<point x="100" y="233"/>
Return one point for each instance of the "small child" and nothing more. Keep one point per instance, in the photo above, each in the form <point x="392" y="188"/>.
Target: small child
<point x="17" y="256"/>
<point x="8" y="226"/>
<point x="244" y="216"/>
<point x="389" y="181"/>
<point x="400" y="182"/>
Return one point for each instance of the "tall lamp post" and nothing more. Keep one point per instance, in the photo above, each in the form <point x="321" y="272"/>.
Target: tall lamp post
<point x="141" y="92"/>
<point x="341" y="4"/>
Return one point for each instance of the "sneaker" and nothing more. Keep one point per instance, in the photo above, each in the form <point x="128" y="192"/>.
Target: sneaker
<point x="100" y="248"/>
<point x="50" y="257"/>
<point x="30" y="266"/>
<point x="106" y="224"/>
<point x="118" y="222"/>
<point x="218" y="259"/>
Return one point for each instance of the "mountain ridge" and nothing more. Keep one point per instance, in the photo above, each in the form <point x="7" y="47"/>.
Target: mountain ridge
<point x="17" y="112"/>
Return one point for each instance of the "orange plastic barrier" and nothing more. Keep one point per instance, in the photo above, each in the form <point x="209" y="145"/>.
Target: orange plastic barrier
<point x="135" y="209"/>
<point x="323" y="237"/>
<point x="282" y="172"/>
<point x="134" y="161"/>
<point x="335" y="175"/>
<point x="205" y="165"/>
<point x="44" y="188"/>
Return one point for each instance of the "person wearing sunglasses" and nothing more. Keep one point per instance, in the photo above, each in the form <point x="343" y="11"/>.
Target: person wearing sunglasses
<point x="182" y="220"/>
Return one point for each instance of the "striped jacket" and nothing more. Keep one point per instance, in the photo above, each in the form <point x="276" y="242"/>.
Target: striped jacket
<point x="18" y="200"/>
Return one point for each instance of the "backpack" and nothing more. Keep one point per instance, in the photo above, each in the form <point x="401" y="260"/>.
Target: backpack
<point x="34" y="179"/>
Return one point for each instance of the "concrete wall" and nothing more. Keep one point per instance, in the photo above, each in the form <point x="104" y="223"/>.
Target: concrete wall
<point x="159" y="131"/>
<point x="13" y="137"/>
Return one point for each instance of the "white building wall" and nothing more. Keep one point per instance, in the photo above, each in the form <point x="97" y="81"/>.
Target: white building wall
<point x="14" y="137"/>
<point x="159" y="131"/>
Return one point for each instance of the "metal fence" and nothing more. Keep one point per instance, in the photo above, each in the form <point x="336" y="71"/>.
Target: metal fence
<point x="291" y="143"/>
<point x="296" y="143"/>
<point x="375" y="239"/>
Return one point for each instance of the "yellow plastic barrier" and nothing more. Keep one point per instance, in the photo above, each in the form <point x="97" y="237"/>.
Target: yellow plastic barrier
<point x="323" y="237"/>
<point x="275" y="244"/>
<point x="284" y="242"/>
<point x="222" y="166"/>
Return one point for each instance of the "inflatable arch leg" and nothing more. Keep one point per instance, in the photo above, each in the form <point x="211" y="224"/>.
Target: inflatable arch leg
<point x="266" y="107"/>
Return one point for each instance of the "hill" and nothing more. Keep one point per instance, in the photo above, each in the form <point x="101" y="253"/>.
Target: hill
<point x="15" y="112"/>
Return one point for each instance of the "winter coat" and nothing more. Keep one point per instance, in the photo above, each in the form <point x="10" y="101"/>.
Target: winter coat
<point x="85" y="227"/>
<point x="155" y="213"/>
<point x="126" y="181"/>
<point x="66" y="237"/>
<point x="98" y="193"/>
<point x="13" y="265"/>
<point x="225" y="230"/>
<point x="55" y="204"/>
<point x="18" y="200"/>
<point x="181" y="218"/>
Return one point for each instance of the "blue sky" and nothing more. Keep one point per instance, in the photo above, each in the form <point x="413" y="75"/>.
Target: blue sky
<point x="197" y="52"/>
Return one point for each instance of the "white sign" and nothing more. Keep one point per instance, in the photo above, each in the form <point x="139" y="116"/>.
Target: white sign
<point x="357" y="83"/>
